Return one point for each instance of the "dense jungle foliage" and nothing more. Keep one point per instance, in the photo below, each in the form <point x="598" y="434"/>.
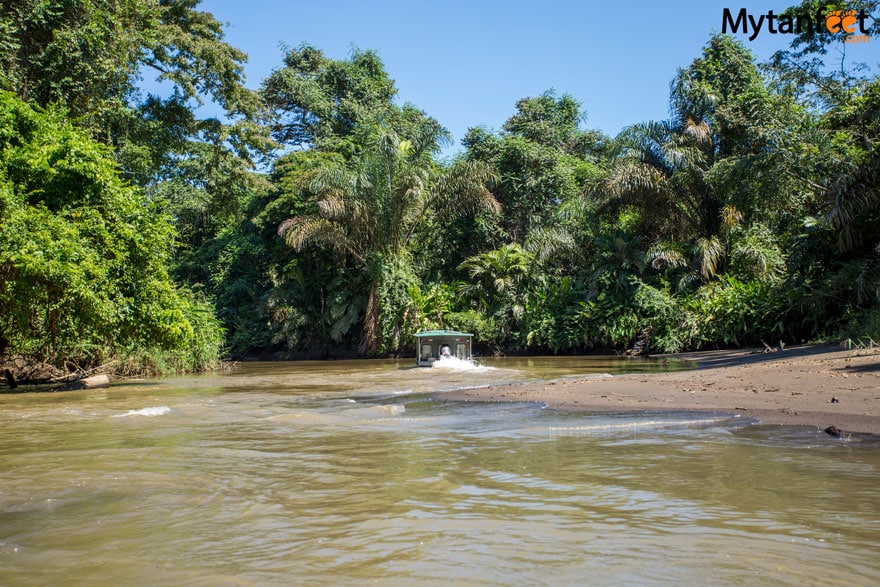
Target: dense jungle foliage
<point x="314" y="218"/>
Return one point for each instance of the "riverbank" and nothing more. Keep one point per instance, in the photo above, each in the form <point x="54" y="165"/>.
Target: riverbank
<point x="810" y="385"/>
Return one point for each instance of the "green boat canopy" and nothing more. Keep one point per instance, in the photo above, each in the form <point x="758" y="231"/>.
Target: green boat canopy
<point x="425" y="333"/>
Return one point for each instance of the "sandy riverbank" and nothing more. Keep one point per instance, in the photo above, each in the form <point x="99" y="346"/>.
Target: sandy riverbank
<point x="812" y="385"/>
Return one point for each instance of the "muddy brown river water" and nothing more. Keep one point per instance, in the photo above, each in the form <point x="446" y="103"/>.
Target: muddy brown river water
<point x="358" y="471"/>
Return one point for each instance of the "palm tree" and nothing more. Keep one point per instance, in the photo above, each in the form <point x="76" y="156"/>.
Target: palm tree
<point x="662" y="171"/>
<point x="670" y="170"/>
<point x="369" y="207"/>
<point x="498" y="282"/>
<point x="661" y="167"/>
<point x="852" y="195"/>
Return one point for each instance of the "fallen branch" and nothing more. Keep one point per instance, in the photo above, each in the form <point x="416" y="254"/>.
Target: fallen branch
<point x="81" y="373"/>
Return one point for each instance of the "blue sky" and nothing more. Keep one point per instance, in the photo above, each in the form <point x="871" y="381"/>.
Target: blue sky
<point x="467" y="62"/>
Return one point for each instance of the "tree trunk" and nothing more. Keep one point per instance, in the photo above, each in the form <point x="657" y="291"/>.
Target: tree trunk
<point x="10" y="379"/>
<point x="370" y="341"/>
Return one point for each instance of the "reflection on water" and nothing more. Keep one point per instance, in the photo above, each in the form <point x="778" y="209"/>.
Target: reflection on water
<point x="305" y="473"/>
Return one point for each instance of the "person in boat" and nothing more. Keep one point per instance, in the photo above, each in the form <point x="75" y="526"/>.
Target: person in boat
<point x="445" y="351"/>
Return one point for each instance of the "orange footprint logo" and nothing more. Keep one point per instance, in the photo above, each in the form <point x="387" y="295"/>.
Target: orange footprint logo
<point x="841" y="20"/>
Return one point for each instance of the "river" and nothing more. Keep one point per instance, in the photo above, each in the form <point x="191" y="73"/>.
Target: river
<point x="324" y="473"/>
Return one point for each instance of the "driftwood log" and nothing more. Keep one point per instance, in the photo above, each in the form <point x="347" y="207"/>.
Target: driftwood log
<point x="93" y="382"/>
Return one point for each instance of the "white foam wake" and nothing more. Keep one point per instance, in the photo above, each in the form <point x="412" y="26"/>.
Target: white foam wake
<point x="148" y="412"/>
<point x="456" y="364"/>
<point x="634" y="425"/>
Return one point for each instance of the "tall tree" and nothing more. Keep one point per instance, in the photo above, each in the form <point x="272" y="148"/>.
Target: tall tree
<point x="542" y="159"/>
<point x="88" y="58"/>
<point x="89" y="55"/>
<point x="81" y="53"/>
<point x="84" y="255"/>
<point x="681" y="174"/>
<point x="322" y="102"/>
<point x="821" y="66"/>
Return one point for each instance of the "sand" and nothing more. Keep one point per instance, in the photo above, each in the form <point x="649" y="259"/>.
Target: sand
<point x="818" y="386"/>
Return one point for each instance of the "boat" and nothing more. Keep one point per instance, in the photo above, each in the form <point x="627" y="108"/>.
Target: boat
<point x="437" y="345"/>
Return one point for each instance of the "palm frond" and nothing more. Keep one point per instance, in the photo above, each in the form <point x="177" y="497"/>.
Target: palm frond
<point x="630" y="178"/>
<point x="300" y="231"/>
<point x="697" y="130"/>
<point x="688" y="279"/>
<point x="332" y="205"/>
<point x="665" y="255"/>
<point x="731" y="218"/>
<point x="684" y="155"/>
<point x="852" y="195"/>
<point x="710" y="252"/>
<point x="546" y="242"/>
<point x="576" y="209"/>
<point x="757" y="252"/>
<point x="464" y="189"/>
